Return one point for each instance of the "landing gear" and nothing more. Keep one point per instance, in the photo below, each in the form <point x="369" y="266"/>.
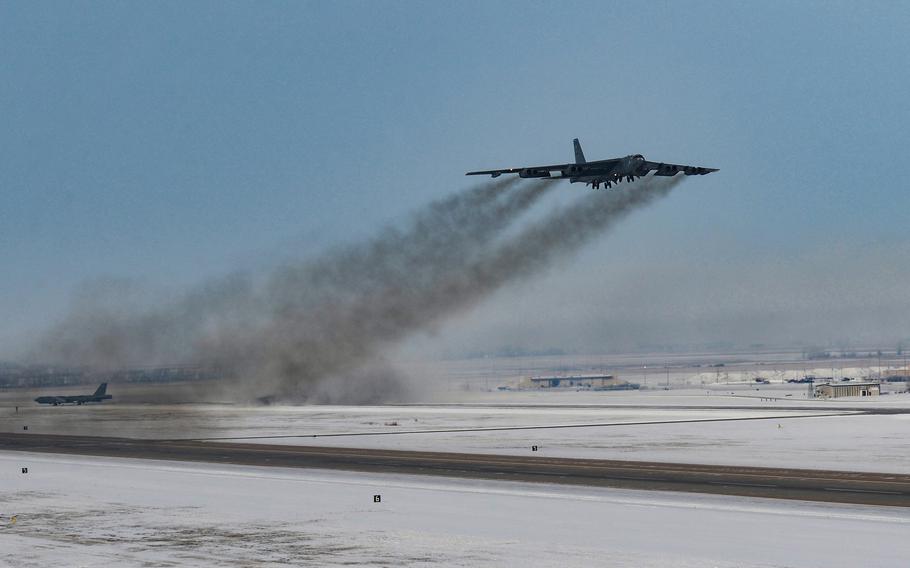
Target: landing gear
<point x="609" y="181"/>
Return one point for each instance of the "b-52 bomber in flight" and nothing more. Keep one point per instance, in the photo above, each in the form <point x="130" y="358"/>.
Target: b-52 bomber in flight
<point x="99" y="395"/>
<point x="606" y="172"/>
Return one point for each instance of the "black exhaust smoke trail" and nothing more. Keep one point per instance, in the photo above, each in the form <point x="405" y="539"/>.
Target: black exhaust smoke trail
<point x="457" y="280"/>
<point x="537" y="247"/>
<point x="313" y="320"/>
<point x="330" y="317"/>
<point x="559" y="235"/>
<point x="318" y="329"/>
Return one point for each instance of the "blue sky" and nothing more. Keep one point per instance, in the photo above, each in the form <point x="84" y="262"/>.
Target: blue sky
<point x="172" y="142"/>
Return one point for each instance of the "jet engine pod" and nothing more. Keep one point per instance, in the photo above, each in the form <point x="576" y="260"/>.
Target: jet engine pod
<point x="532" y="173"/>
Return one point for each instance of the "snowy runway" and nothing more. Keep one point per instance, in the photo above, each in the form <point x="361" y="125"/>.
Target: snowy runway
<point x="102" y="511"/>
<point x="772" y="437"/>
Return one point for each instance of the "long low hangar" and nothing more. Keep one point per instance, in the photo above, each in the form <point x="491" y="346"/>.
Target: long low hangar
<point x="837" y="390"/>
<point x="580" y="382"/>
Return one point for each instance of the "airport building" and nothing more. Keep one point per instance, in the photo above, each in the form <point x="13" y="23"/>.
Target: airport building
<point x="580" y="382"/>
<point x="897" y="376"/>
<point x="837" y="390"/>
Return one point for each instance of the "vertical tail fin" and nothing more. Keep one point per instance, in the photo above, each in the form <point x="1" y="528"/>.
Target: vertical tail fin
<point x="101" y="390"/>
<point x="579" y="155"/>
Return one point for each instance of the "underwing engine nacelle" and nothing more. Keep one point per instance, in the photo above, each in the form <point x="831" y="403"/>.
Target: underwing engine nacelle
<point x="534" y="173"/>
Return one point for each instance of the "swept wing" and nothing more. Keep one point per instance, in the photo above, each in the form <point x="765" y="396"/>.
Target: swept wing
<point x="662" y="169"/>
<point x="528" y="171"/>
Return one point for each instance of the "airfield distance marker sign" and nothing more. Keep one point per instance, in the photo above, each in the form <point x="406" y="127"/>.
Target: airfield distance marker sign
<point x="377" y="498"/>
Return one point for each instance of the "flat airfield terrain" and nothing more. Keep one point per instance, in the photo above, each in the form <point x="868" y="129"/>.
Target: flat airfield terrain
<point x="171" y="474"/>
<point x="714" y="441"/>
<point x="812" y="485"/>
<point x="97" y="511"/>
<point x="681" y="425"/>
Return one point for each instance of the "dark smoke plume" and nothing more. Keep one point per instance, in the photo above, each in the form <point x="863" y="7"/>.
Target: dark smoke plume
<point x="317" y="330"/>
<point x="327" y="318"/>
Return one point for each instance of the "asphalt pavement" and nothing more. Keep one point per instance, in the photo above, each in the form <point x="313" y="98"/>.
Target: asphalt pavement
<point x="804" y="484"/>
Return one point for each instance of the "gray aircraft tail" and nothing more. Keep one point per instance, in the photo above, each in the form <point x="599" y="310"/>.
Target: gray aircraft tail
<point x="579" y="155"/>
<point x="101" y="390"/>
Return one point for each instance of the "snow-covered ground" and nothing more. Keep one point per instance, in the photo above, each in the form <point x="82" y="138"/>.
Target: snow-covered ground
<point x="852" y="443"/>
<point x="772" y="436"/>
<point x="185" y="421"/>
<point x="84" y="511"/>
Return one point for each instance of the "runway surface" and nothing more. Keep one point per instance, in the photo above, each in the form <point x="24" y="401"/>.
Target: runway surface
<point x="509" y="428"/>
<point x="834" y="407"/>
<point x="804" y="484"/>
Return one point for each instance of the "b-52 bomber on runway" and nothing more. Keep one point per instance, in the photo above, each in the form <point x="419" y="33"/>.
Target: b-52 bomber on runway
<point x="606" y="172"/>
<point x="100" y="394"/>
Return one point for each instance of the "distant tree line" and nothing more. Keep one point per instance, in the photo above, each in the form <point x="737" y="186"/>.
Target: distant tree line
<point x="15" y="376"/>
